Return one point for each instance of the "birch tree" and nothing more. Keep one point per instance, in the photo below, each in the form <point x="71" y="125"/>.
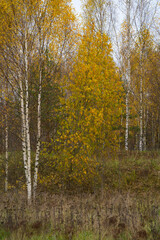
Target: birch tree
<point x="128" y="71"/>
<point x="97" y="13"/>
<point x="5" y="127"/>
<point x="31" y="27"/>
<point x="144" y="20"/>
<point x="138" y="17"/>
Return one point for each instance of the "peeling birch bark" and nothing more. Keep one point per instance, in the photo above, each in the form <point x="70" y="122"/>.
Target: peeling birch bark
<point x="29" y="182"/>
<point x="23" y="127"/>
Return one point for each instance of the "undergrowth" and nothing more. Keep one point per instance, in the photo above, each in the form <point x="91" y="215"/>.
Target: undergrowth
<point x="108" y="216"/>
<point x="125" y="206"/>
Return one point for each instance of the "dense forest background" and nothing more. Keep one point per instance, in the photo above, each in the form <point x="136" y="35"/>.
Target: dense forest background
<point x="76" y="96"/>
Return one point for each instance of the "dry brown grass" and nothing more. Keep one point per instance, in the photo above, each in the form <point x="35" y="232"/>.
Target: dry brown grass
<point x="105" y="214"/>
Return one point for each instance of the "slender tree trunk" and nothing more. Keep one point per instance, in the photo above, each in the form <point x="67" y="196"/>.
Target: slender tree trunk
<point x="38" y="124"/>
<point x="38" y="145"/>
<point x="128" y="74"/>
<point x="4" y="95"/>
<point x="141" y="116"/>
<point x="127" y="120"/>
<point x="29" y="183"/>
<point x="158" y="130"/>
<point x="23" y="119"/>
<point x="153" y="133"/>
<point x="141" y="82"/>
<point x="6" y="154"/>
<point x="145" y="131"/>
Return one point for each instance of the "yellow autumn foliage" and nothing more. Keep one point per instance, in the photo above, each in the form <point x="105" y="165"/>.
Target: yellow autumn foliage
<point x="93" y="104"/>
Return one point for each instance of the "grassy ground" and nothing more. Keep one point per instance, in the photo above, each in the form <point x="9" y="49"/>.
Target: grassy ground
<point x="53" y="236"/>
<point x="134" y="172"/>
<point x="107" y="216"/>
<point x="128" y="207"/>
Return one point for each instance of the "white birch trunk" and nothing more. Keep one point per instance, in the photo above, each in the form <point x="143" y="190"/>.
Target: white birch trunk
<point x="38" y="145"/>
<point x="23" y="127"/>
<point x="29" y="183"/>
<point x="128" y="74"/>
<point x="38" y="127"/>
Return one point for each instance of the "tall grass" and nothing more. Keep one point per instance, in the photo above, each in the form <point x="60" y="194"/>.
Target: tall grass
<point x="127" y="207"/>
<point x="88" y="216"/>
